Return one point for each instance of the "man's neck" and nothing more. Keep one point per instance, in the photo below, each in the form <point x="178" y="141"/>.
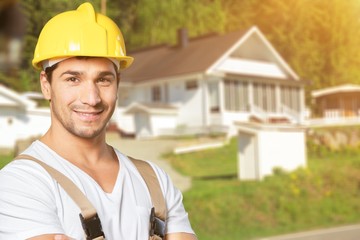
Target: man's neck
<point x="93" y="156"/>
<point x="78" y="150"/>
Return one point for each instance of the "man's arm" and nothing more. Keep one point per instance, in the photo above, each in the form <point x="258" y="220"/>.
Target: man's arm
<point x="180" y="236"/>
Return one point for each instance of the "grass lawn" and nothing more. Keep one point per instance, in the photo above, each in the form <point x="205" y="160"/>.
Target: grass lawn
<point x="5" y="158"/>
<point x="221" y="207"/>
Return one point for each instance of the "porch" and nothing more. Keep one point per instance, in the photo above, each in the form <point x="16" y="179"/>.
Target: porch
<point x="247" y="100"/>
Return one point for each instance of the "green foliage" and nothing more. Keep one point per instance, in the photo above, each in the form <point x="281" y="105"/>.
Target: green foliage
<point x="319" y="39"/>
<point x="157" y="22"/>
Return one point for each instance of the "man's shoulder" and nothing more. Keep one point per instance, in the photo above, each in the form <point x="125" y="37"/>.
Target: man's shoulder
<point x="128" y="161"/>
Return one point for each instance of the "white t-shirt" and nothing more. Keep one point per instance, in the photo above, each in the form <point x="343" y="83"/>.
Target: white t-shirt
<point x="32" y="203"/>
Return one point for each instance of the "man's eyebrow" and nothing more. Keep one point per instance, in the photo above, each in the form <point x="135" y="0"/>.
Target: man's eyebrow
<point x="75" y="73"/>
<point x="106" y="73"/>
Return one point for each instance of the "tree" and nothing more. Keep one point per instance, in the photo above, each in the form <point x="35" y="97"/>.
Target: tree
<point x="319" y="39"/>
<point x="37" y="13"/>
<point x="149" y="23"/>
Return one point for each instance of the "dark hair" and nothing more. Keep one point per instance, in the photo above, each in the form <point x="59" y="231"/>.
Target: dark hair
<point x="50" y="70"/>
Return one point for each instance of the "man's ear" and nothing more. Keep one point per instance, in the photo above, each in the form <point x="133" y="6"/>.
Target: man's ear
<point x="45" y="86"/>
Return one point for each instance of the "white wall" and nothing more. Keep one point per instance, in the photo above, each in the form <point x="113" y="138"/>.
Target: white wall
<point x="125" y="122"/>
<point x="159" y="122"/>
<point x="16" y="124"/>
<point x="281" y="149"/>
<point x="143" y="128"/>
<point x="191" y="112"/>
<point x="263" y="148"/>
<point x="10" y="121"/>
<point x="176" y="89"/>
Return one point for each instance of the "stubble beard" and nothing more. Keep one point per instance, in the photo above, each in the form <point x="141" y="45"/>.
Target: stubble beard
<point x="87" y="132"/>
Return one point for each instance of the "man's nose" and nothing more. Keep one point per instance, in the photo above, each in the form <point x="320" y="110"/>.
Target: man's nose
<point x="90" y="94"/>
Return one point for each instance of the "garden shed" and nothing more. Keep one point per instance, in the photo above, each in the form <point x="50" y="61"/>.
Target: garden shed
<point x="263" y="147"/>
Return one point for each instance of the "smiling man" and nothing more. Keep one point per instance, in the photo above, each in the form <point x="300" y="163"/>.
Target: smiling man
<point x="80" y="54"/>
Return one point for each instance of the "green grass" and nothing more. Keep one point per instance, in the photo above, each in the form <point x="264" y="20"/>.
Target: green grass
<point x="206" y="163"/>
<point x="5" y="158"/>
<point x="324" y="194"/>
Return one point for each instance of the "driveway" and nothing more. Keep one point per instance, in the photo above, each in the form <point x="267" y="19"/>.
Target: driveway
<point x="351" y="232"/>
<point x="151" y="150"/>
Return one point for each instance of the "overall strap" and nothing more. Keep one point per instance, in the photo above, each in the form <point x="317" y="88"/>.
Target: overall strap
<point x="89" y="218"/>
<point x="152" y="182"/>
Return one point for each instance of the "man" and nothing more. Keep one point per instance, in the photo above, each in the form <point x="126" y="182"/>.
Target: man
<point x="80" y="53"/>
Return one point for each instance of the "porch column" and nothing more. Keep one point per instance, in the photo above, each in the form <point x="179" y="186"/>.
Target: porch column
<point x="302" y="105"/>
<point x="221" y="97"/>
<point x="250" y="96"/>
<point x="205" y="100"/>
<point x="278" y="98"/>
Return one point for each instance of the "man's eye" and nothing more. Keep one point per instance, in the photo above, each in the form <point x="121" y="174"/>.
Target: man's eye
<point x="104" y="80"/>
<point x="72" y="79"/>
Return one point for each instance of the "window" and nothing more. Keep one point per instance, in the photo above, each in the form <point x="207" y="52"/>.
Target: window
<point x="156" y="93"/>
<point x="191" y="85"/>
<point x="264" y="96"/>
<point x="236" y="95"/>
<point x="290" y="97"/>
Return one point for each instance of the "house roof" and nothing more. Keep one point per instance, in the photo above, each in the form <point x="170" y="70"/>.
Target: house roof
<point x="345" y="88"/>
<point x="10" y="98"/>
<point x="202" y="55"/>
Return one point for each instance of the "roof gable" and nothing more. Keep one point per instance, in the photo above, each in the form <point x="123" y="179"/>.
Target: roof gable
<point x="10" y="98"/>
<point x="253" y="54"/>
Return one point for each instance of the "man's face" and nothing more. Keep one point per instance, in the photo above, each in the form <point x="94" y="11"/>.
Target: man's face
<point x="82" y="95"/>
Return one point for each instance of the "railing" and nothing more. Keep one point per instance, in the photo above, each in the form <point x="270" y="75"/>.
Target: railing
<point x="259" y="113"/>
<point x="291" y="114"/>
<point x="285" y="112"/>
<point x="341" y="121"/>
<point x="334" y="117"/>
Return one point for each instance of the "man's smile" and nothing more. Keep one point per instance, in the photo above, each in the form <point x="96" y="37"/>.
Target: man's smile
<point x="89" y="115"/>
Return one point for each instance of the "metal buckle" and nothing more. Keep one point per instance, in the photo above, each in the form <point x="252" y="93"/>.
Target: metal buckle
<point x="92" y="227"/>
<point x="157" y="226"/>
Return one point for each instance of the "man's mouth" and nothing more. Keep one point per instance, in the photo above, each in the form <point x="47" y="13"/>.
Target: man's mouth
<point x="89" y="115"/>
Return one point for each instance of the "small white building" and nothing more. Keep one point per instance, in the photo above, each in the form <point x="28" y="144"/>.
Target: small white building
<point x="20" y="118"/>
<point x="264" y="147"/>
<point x="205" y="84"/>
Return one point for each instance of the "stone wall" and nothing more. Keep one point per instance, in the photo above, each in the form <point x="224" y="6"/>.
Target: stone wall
<point x="335" y="138"/>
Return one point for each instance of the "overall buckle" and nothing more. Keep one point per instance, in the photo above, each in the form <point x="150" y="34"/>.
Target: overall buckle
<point x="157" y="226"/>
<point x="92" y="227"/>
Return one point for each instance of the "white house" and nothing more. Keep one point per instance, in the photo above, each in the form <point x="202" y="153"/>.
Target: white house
<point x="206" y="84"/>
<point x="20" y="118"/>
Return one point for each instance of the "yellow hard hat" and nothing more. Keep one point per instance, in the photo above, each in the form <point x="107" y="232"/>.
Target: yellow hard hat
<point x="81" y="32"/>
